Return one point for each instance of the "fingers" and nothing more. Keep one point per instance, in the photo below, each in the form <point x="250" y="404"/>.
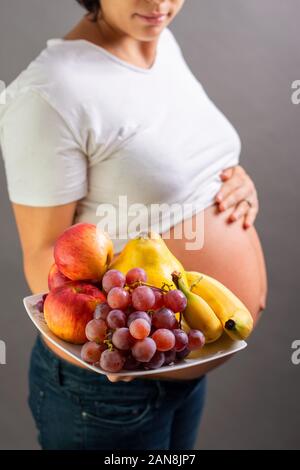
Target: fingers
<point x="226" y="189"/>
<point x="241" y="209"/>
<point x="227" y="173"/>
<point x="250" y="217"/>
<point x="119" y="378"/>
<point x="237" y="187"/>
<point x="230" y="171"/>
<point x="234" y="179"/>
<point x="249" y="213"/>
<point x="235" y="197"/>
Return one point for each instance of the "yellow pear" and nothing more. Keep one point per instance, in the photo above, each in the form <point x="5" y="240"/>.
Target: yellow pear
<point x="149" y="252"/>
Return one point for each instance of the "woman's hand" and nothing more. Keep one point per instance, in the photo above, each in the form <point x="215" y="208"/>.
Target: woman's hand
<point x="238" y="188"/>
<point x="119" y="378"/>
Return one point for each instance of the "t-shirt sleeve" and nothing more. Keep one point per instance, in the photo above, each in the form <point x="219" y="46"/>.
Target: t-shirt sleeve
<point x="44" y="164"/>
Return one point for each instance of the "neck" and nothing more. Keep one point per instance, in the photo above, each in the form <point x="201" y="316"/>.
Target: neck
<point x="140" y="53"/>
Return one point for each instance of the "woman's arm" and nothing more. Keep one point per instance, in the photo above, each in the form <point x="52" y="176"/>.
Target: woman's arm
<point x="38" y="228"/>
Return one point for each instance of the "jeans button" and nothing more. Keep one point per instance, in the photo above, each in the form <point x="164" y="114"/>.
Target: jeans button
<point x="84" y="414"/>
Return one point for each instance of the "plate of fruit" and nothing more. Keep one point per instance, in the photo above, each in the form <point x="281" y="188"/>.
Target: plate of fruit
<point x="137" y="314"/>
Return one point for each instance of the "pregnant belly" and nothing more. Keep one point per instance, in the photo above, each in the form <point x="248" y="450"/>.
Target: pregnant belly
<point x="226" y="252"/>
<point x="230" y="254"/>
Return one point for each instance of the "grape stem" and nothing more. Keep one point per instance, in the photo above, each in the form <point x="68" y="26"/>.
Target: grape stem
<point x="109" y="344"/>
<point x="142" y="283"/>
<point x="108" y="340"/>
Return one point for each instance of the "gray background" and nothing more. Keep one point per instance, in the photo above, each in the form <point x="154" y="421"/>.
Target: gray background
<point x="246" y="53"/>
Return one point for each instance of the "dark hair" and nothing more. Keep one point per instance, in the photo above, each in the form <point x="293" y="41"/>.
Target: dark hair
<point x="92" y="6"/>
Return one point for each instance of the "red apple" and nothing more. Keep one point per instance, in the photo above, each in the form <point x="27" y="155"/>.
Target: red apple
<point x="69" y="308"/>
<point x="56" y="278"/>
<point x="83" y="252"/>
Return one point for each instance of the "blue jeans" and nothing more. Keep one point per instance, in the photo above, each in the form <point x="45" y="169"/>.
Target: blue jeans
<point x="75" y="408"/>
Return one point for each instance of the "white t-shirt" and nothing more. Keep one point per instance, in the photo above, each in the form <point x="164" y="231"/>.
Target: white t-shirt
<point x="80" y="124"/>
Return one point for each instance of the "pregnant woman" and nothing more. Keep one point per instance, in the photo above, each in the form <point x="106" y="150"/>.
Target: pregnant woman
<point x="112" y="109"/>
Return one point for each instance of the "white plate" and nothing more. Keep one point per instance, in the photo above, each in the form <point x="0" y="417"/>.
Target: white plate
<point x="221" y="348"/>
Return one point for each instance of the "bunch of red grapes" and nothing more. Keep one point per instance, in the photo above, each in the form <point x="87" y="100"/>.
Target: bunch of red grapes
<point x="136" y="328"/>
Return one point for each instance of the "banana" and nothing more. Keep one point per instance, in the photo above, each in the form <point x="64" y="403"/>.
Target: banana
<point x="198" y="314"/>
<point x="233" y="314"/>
